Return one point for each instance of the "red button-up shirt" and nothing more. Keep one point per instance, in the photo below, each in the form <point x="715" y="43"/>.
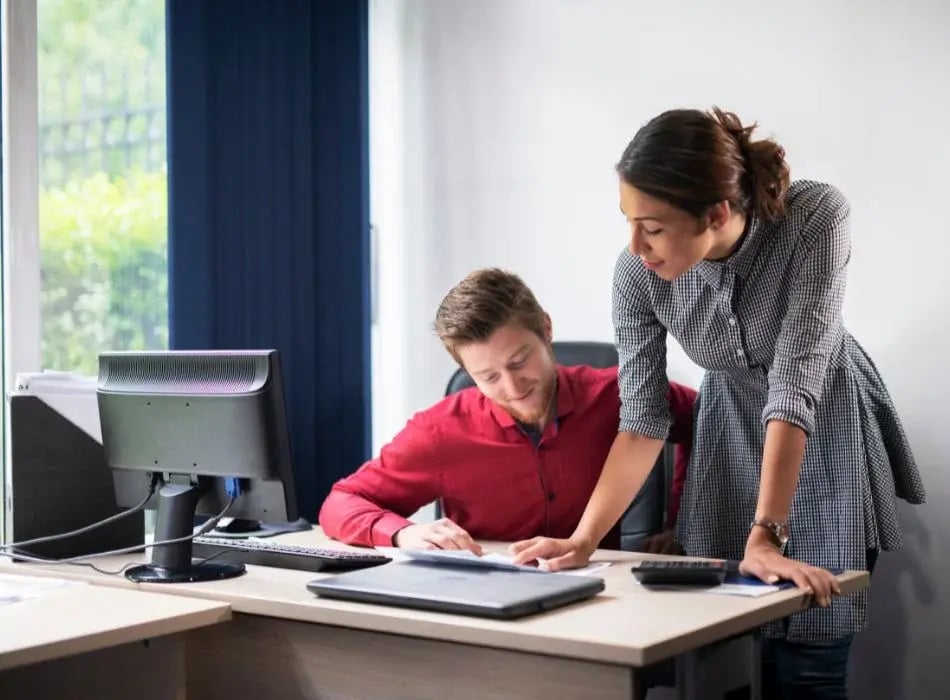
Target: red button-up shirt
<point x="492" y="480"/>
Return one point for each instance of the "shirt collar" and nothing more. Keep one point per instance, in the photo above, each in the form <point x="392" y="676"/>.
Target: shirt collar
<point x="740" y="262"/>
<point x="563" y="401"/>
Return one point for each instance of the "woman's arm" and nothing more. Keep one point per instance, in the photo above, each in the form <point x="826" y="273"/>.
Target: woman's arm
<point x="629" y="462"/>
<point x="644" y="421"/>
<point x="811" y="329"/>
<point x="781" y="464"/>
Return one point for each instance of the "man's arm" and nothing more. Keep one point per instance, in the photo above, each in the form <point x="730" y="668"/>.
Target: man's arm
<point x="371" y="505"/>
<point x="682" y="403"/>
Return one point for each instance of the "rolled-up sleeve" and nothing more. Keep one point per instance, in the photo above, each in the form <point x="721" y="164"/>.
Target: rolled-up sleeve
<point x="371" y="505"/>
<point x="641" y="347"/>
<point x="813" y="322"/>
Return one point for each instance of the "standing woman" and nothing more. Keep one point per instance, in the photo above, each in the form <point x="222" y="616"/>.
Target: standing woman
<point x="798" y="455"/>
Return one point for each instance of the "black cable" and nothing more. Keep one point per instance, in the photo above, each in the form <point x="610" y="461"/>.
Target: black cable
<point x="80" y="560"/>
<point x="26" y="556"/>
<point x="88" y="528"/>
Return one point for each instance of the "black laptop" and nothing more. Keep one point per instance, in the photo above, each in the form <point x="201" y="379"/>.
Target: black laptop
<point x="458" y="589"/>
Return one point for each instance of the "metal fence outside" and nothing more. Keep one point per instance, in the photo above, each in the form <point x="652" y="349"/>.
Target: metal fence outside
<point x="104" y="122"/>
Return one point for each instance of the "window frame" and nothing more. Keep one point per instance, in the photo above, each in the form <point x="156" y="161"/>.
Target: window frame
<point x="20" y="330"/>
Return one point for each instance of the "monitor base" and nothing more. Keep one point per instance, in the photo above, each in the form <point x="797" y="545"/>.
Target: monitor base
<point x="210" y="571"/>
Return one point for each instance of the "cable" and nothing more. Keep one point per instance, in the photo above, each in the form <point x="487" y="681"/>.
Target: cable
<point x="208" y="525"/>
<point x="88" y="528"/>
<point x="26" y="556"/>
<point x="208" y="558"/>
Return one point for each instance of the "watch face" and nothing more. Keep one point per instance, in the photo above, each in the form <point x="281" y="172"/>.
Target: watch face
<point x="779" y="530"/>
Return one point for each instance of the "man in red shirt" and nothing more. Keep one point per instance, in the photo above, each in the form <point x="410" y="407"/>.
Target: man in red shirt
<point x="516" y="456"/>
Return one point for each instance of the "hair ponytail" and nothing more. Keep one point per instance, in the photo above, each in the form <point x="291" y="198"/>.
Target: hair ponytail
<point x="694" y="159"/>
<point x="767" y="173"/>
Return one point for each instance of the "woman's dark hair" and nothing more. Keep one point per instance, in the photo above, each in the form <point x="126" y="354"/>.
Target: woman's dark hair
<point x="694" y="159"/>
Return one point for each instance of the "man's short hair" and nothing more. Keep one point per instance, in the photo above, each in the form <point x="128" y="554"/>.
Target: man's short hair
<point x="482" y="303"/>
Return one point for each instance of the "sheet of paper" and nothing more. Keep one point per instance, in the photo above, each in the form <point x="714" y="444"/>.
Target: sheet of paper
<point x="752" y="591"/>
<point x="734" y="585"/>
<point x="491" y="560"/>
<point x="749" y="586"/>
<point x="456" y="558"/>
<point x="588" y="570"/>
<point x="15" y="588"/>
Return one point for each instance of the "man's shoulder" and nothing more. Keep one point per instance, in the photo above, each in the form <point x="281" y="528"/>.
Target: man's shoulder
<point x="587" y="376"/>
<point x="459" y="407"/>
<point x="592" y="385"/>
<point x="684" y="391"/>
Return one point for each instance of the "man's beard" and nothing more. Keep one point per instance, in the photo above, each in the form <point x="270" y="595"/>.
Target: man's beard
<point x="547" y="391"/>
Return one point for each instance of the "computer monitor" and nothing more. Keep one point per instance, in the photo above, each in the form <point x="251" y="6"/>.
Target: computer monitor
<point x="206" y="425"/>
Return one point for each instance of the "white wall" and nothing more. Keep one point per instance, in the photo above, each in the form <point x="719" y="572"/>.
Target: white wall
<point x="495" y="128"/>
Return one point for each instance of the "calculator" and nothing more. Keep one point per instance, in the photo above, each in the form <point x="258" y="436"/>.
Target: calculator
<point x="676" y="572"/>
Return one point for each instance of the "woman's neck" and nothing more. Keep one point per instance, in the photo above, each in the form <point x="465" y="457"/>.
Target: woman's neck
<point x="727" y="239"/>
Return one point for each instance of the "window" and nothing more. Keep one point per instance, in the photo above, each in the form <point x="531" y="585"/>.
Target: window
<point x="85" y="239"/>
<point x="102" y="179"/>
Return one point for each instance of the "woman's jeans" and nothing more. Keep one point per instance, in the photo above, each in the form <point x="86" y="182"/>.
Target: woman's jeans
<point x="807" y="671"/>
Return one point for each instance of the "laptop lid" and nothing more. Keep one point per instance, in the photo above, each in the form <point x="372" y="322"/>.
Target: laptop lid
<point x="458" y="589"/>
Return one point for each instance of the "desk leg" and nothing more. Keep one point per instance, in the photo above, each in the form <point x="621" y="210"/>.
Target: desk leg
<point x="715" y="669"/>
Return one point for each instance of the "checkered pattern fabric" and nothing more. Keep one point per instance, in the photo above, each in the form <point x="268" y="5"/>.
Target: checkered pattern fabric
<point x="766" y="325"/>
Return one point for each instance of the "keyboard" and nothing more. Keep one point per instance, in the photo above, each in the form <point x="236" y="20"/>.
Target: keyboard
<point x="284" y="556"/>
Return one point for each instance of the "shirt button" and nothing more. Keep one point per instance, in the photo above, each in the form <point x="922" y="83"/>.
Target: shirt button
<point x="551" y="496"/>
<point x="732" y="320"/>
<point x="739" y="353"/>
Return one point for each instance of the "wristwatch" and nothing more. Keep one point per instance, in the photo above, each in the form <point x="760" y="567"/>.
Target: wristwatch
<point x="777" y="528"/>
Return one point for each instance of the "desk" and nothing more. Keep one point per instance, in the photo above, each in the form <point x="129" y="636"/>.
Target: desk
<point x="83" y="641"/>
<point x="286" y="642"/>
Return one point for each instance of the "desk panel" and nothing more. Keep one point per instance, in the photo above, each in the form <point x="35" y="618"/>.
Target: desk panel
<point x="152" y="670"/>
<point x="82" y="618"/>
<point x="90" y="642"/>
<point x="256" y="657"/>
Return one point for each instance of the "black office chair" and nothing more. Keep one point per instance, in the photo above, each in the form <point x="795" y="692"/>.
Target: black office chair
<point x="648" y="512"/>
<point x="570" y="352"/>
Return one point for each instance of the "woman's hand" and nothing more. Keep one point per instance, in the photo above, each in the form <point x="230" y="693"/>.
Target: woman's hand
<point x="568" y="553"/>
<point x="764" y="560"/>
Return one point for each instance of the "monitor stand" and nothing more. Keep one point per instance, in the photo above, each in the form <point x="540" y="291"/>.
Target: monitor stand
<point x="172" y="563"/>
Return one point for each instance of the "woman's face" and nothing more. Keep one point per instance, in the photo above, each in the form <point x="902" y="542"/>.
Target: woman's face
<point x="668" y="240"/>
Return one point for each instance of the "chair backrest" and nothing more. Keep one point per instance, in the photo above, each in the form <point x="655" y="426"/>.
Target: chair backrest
<point x="568" y="352"/>
<point x="647" y="512"/>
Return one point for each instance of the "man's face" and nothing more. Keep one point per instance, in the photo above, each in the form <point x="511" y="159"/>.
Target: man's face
<point x="515" y="369"/>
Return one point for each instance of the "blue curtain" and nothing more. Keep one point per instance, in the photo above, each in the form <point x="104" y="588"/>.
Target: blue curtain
<point x="268" y="208"/>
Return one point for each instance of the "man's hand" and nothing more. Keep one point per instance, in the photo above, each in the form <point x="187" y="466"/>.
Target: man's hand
<point x="439" y="534"/>
<point x="560" y="554"/>
<point x="662" y="543"/>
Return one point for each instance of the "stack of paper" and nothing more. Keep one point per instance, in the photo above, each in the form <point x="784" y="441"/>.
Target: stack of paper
<point x="488" y="561"/>
<point x="71" y="395"/>
<point x="14" y="588"/>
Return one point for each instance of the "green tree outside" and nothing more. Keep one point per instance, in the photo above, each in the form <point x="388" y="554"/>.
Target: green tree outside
<point x="105" y="268"/>
<point x="103" y="201"/>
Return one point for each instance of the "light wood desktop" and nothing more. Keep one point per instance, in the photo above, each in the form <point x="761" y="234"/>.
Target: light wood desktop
<point x="286" y="642"/>
<point x="84" y="641"/>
